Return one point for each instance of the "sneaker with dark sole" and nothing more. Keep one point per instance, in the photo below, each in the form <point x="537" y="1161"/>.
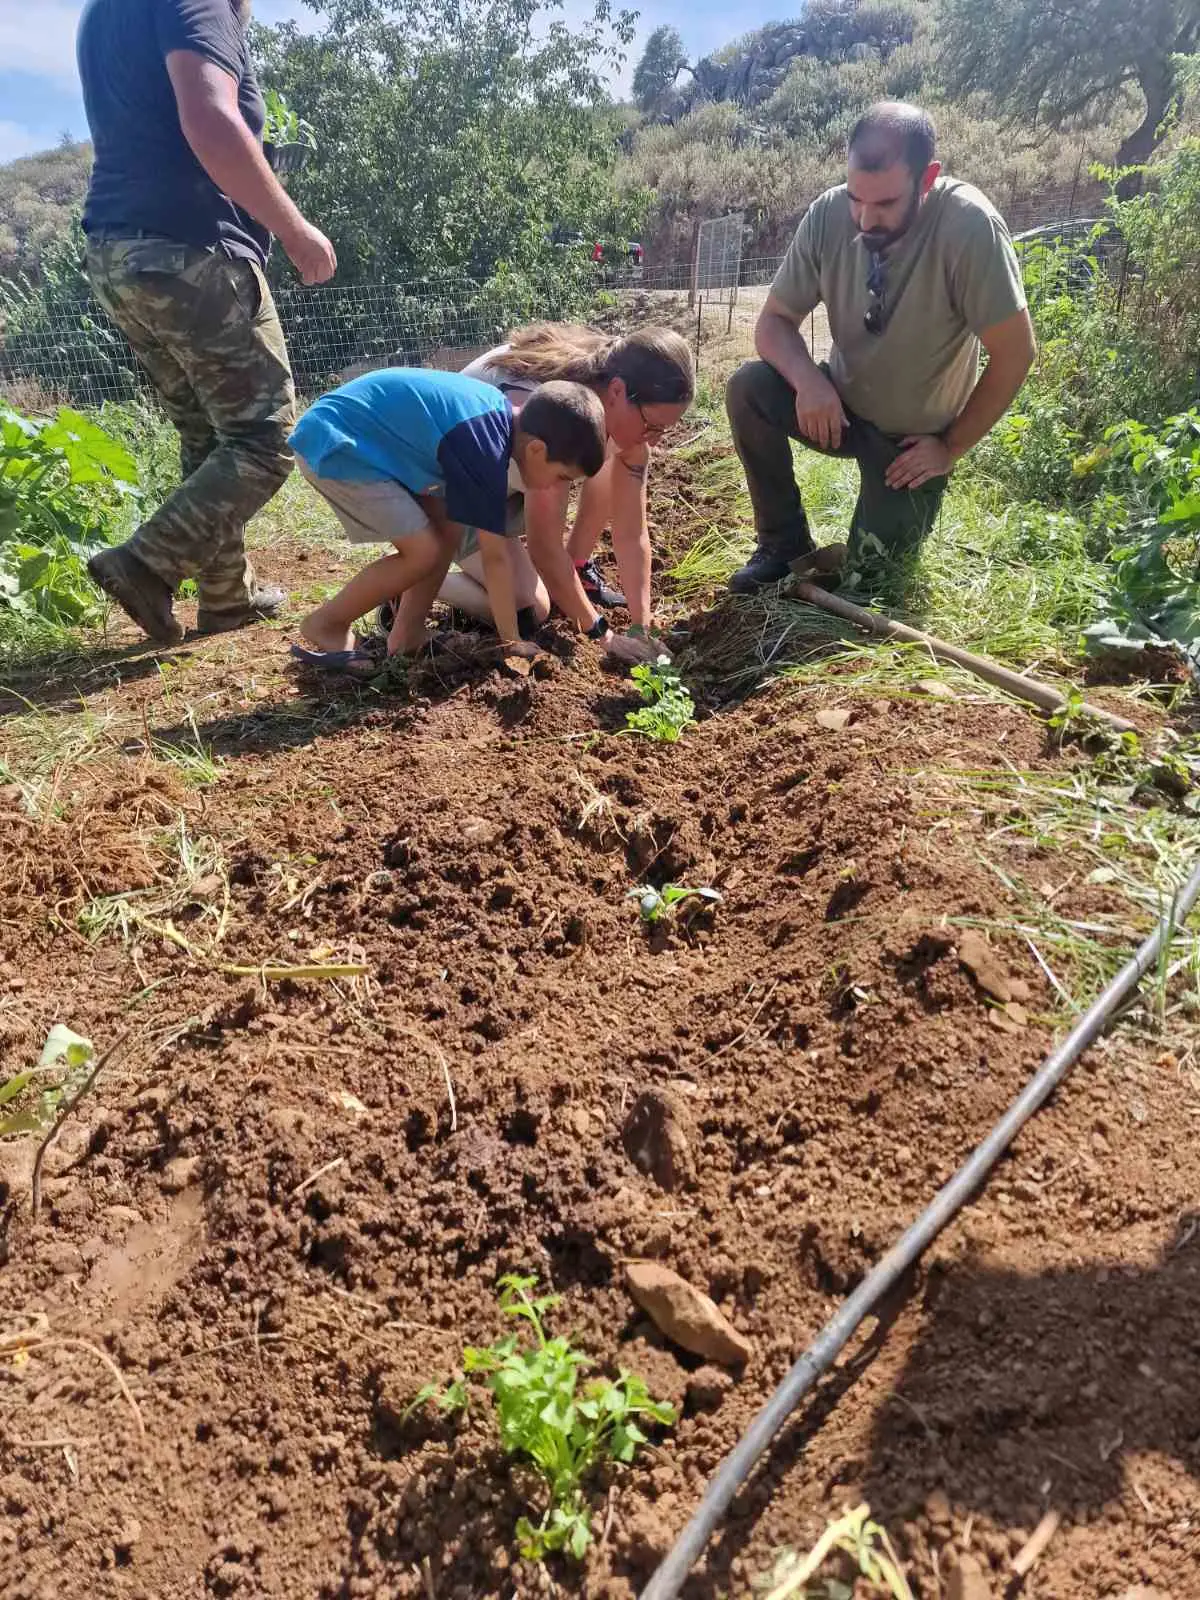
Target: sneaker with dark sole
<point x="594" y="586"/>
<point x="140" y="593"/>
<point x="266" y="605"/>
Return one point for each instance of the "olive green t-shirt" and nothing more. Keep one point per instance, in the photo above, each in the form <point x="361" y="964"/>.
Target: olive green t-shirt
<point x="949" y="278"/>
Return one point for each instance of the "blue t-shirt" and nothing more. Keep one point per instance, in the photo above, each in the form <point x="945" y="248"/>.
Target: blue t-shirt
<point x="433" y="432"/>
<point x="145" y="176"/>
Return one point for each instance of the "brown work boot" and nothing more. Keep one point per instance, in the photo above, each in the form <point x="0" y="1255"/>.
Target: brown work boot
<point x="140" y="593"/>
<point x="265" y="604"/>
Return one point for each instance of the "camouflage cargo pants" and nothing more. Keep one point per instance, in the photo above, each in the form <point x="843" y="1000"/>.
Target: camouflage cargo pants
<point x="205" y="328"/>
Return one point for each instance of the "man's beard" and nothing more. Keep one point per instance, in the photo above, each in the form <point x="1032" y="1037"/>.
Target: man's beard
<point x="877" y="239"/>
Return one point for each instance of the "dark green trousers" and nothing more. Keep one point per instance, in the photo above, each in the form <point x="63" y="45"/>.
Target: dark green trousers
<point x="886" y="522"/>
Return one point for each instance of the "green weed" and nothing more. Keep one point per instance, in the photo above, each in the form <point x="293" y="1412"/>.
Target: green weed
<point x="656" y="905"/>
<point x="855" y="1536"/>
<point x="195" y="760"/>
<point x="546" y="1418"/>
<point x="64" y="1063"/>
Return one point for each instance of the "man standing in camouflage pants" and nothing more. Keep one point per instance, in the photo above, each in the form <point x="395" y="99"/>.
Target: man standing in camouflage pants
<point x="179" y="214"/>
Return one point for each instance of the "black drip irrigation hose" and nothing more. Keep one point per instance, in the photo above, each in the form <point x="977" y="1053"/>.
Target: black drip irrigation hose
<point x="949" y="1200"/>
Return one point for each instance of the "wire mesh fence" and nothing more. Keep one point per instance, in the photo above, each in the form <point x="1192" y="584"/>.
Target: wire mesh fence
<point x="62" y="347"/>
<point x="65" y="348"/>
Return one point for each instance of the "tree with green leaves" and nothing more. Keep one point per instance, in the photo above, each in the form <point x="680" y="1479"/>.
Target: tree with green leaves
<point x="453" y="135"/>
<point x="663" y="59"/>
<point x="1074" y="62"/>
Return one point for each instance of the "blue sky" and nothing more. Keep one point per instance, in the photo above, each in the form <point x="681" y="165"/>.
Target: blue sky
<point x="39" y="92"/>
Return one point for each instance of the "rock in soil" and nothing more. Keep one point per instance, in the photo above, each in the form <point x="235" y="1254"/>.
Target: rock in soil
<point x="984" y="965"/>
<point x="685" y="1315"/>
<point x="967" y="1581"/>
<point x="656" y="1142"/>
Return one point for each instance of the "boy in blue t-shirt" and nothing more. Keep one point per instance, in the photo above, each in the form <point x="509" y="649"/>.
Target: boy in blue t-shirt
<point x="412" y="456"/>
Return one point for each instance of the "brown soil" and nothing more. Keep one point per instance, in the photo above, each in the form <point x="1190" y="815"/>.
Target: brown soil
<point x="273" y="1218"/>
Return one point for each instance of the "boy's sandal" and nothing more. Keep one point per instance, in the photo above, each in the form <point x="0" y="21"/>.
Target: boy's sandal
<point x="351" y="663"/>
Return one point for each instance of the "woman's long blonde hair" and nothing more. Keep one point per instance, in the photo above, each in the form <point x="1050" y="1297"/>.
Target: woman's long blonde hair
<point x="655" y="364"/>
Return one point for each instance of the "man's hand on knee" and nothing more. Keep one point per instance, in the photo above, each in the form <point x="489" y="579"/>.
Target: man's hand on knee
<point x="922" y="457"/>
<point x="819" y="413"/>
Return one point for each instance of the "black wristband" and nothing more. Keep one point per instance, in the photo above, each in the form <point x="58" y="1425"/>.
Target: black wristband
<point x="598" y="630"/>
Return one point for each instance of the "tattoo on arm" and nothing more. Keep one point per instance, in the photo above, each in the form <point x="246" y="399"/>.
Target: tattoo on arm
<point x="635" y="470"/>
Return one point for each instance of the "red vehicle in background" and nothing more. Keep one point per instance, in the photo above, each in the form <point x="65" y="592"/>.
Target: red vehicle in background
<point x="621" y="257"/>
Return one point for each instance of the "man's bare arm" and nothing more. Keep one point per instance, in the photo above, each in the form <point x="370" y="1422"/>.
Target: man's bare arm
<point x="207" y="99"/>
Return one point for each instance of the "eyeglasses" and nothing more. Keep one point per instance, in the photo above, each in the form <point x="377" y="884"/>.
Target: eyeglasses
<point x="873" y="320"/>
<point x="652" y="430"/>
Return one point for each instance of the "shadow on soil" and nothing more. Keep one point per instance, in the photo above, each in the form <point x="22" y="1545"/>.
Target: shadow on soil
<point x="1024" y="1393"/>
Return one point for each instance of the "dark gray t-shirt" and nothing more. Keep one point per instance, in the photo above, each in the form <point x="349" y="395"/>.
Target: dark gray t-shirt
<point x="952" y="276"/>
<point x="145" y="177"/>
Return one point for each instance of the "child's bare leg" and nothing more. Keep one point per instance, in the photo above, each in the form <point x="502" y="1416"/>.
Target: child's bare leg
<point x="330" y="626"/>
<point x="408" y="625"/>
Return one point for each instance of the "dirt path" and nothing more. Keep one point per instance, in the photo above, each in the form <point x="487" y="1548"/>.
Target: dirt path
<point x="276" y="1222"/>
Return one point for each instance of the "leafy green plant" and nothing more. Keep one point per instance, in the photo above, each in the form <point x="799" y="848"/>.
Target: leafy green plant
<point x="657" y="904"/>
<point x="1154" y="599"/>
<point x="64" y="1063"/>
<point x="547" y="1419"/>
<point x="669" y="707"/>
<point x="61" y="485"/>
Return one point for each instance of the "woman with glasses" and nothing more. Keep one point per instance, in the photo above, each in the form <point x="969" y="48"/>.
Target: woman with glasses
<point x="645" y="381"/>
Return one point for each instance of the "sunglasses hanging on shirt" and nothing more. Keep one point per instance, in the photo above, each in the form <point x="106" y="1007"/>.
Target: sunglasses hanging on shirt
<point x="873" y="320"/>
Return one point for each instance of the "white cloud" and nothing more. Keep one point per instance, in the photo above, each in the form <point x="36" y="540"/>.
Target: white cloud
<point x="16" y="140"/>
<point x="40" y="39"/>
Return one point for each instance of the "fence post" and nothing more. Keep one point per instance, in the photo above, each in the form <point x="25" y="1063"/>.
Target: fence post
<point x="694" y="280"/>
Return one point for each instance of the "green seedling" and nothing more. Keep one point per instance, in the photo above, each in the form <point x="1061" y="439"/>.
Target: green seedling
<point x="656" y="904"/>
<point x="669" y="708"/>
<point x="64" y="1063"/>
<point x="546" y="1418"/>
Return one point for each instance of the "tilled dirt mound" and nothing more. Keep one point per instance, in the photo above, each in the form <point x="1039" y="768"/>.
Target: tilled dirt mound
<point x="284" y="1208"/>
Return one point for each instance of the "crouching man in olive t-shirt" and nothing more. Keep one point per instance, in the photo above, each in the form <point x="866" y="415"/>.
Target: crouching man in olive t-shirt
<point x="916" y="271"/>
<point x="179" y="216"/>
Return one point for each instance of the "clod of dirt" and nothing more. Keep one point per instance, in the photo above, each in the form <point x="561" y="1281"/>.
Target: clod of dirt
<point x="128" y="1536"/>
<point x="179" y="1174"/>
<point x="517" y="665"/>
<point x="937" y="1508"/>
<point x="984" y="965"/>
<point x="656" y="1142"/>
<point x="999" y="1018"/>
<point x="707" y="1388"/>
<point x="967" y="1581"/>
<point x="685" y="1315"/>
<point x="833" y="718"/>
<point x="935" y="689"/>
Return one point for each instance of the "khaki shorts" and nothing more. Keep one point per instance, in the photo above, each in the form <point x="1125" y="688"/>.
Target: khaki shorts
<point x="381" y="512"/>
<point x="468" y="545"/>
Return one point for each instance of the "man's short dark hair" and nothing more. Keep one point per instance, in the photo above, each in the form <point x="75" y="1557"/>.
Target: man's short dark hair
<point x="892" y="131"/>
<point x="569" y="420"/>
